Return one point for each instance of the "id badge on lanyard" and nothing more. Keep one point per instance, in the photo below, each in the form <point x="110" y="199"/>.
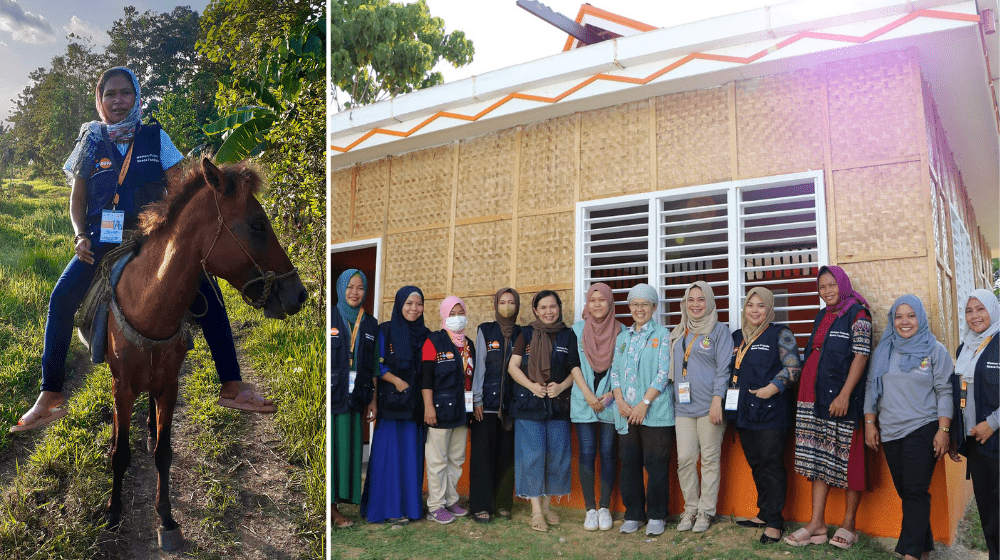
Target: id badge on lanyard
<point x="732" y="398"/>
<point x="112" y="225"/>
<point x="684" y="392"/>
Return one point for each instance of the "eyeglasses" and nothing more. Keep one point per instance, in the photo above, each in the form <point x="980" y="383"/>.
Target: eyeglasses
<point x="640" y="305"/>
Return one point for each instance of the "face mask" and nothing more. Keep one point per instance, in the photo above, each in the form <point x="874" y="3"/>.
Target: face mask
<point x="506" y="310"/>
<point x="455" y="323"/>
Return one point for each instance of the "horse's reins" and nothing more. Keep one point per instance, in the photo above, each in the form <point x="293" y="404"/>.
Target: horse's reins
<point x="268" y="278"/>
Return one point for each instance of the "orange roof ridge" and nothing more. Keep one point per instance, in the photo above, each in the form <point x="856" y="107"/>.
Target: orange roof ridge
<point x="586" y="9"/>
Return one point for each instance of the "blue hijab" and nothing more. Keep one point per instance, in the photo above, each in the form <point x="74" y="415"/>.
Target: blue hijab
<point x="407" y="337"/>
<point x="350" y="314"/>
<point x="911" y="350"/>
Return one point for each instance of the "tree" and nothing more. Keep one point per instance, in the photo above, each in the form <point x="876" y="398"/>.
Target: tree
<point x="48" y="113"/>
<point x="273" y="102"/>
<point x="380" y="49"/>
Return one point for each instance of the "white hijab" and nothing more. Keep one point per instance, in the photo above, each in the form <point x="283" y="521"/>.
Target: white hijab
<point x="966" y="363"/>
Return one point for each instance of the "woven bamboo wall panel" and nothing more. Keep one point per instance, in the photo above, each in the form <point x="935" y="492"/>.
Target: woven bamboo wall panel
<point x="420" y="188"/>
<point x="946" y="313"/>
<point x="692" y="138"/>
<point x="548" y="161"/>
<point x="882" y="230"/>
<point x="941" y="226"/>
<point x="479" y="309"/>
<point x="526" y="316"/>
<point x="417" y="259"/>
<point x="874" y="108"/>
<point x="482" y="257"/>
<point x="372" y="194"/>
<point x="779" y="123"/>
<point x="614" y="151"/>
<point x="340" y="204"/>
<point x="881" y="282"/>
<point x="486" y="174"/>
<point x="545" y="249"/>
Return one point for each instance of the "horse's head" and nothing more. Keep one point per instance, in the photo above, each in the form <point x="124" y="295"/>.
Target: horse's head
<point x="245" y="252"/>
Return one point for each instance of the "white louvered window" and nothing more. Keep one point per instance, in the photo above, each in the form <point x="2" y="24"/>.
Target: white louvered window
<point x="765" y="232"/>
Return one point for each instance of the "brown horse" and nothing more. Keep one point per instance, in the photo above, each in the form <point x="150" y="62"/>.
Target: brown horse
<point x="211" y="222"/>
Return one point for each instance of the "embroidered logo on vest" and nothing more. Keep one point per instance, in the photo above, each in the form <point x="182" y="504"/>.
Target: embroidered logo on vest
<point x="494" y="345"/>
<point x="334" y="331"/>
<point x="104" y="163"/>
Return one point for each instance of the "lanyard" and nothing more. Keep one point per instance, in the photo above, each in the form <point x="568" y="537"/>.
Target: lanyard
<point x="744" y="348"/>
<point x="965" y="384"/>
<point x="687" y="353"/>
<point x="354" y="334"/>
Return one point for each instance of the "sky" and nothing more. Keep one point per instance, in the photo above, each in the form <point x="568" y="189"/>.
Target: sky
<point x="33" y="32"/>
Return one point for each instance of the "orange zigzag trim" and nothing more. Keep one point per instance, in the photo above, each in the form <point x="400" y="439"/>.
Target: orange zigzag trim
<point x="641" y="81"/>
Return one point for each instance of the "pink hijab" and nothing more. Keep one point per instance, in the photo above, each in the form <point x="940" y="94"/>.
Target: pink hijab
<point x="449" y="303"/>
<point x="599" y="334"/>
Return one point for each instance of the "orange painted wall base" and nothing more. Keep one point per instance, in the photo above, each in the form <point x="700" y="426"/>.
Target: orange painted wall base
<point x="880" y="512"/>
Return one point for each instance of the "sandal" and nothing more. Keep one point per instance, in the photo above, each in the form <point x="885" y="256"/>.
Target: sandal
<point x="38" y="416"/>
<point x="249" y="401"/>
<point x="482" y="517"/>
<point x="803" y="537"/>
<point x="504" y="514"/>
<point x="537" y="523"/>
<point x="847" y="538"/>
<point x="551" y="517"/>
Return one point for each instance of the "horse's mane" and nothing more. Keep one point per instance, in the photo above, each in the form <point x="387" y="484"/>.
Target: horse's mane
<point x="243" y="179"/>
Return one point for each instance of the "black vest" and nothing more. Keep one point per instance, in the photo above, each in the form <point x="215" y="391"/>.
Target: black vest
<point x="496" y="380"/>
<point x="834" y="366"/>
<point x="393" y="405"/>
<point x="759" y="366"/>
<point x="524" y="404"/>
<point x="340" y="363"/>
<point x="987" y="395"/>
<point x="144" y="182"/>
<point x="449" y="380"/>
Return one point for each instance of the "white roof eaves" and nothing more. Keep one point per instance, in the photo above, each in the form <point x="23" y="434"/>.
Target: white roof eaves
<point x="769" y="22"/>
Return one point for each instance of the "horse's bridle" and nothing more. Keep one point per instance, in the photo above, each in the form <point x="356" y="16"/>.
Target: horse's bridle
<point x="268" y="278"/>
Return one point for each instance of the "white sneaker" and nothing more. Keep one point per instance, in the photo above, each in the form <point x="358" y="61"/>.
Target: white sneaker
<point x="590" y="523"/>
<point x="702" y="523"/>
<point x="655" y="527"/>
<point x="687" y="521"/>
<point x="630" y="527"/>
<point x="604" y="519"/>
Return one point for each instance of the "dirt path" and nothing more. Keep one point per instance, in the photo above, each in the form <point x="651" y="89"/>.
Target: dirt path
<point x="260" y="525"/>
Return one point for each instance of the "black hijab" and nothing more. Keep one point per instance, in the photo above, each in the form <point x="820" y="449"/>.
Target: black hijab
<point x="407" y="337"/>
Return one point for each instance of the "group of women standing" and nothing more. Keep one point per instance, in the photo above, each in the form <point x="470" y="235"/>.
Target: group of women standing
<point x="643" y="390"/>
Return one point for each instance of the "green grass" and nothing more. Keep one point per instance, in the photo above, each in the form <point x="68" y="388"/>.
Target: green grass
<point x="513" y="539"/>
<point x="290" y="356"/>
<point x="974" y="538"/>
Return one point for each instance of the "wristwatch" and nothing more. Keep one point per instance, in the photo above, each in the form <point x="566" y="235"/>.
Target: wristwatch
<point x="647" y="402"/>
<point x="944" y="429"/>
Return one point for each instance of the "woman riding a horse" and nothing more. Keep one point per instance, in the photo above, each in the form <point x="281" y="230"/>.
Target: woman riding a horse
<point x="118" y="166"/>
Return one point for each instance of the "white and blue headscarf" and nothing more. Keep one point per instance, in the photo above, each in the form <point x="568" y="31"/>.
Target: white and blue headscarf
<point x="80" y="162"/>
<point x="966" y="363"/>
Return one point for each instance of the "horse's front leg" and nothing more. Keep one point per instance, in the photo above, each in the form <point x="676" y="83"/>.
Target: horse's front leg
<point x="121" y="455"/>
<point x="169" y="532"/>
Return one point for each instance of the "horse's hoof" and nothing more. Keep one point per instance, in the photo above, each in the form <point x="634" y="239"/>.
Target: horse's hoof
<point x="112" y="520"/>
<point x="171" y="539"/>
<point x="150" y="444"/>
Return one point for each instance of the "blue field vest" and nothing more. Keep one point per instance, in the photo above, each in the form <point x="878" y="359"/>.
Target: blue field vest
<point x="497" y="383"/>
<point x="759" y="366"/>
<point x="340" y="363"/>
<point x="524" y="404"/>
<point x="987" y="396"/>
<point x="834" y="366"/>
<point x="449" y="380"/>
<point x="144" y="182"/>
<point x="392" y="404"/>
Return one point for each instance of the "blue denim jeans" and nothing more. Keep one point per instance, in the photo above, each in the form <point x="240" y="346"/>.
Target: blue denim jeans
<point x="593" y="437"/>
<point x="542" y="456"/>
<point x="69" y="292"/>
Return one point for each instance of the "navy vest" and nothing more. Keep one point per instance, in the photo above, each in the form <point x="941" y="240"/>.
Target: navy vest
<point x="340" y="363"/>
<point x="987" y="395"/>
<point x="448" y="385"/>
<point x="759" y="366"/>
<point x="524" y="404"/>
<point x="144" y="182"/>
<point x="496" y="380"/>
<point x="834" y="366"/>
<point x="392" y="404"/>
